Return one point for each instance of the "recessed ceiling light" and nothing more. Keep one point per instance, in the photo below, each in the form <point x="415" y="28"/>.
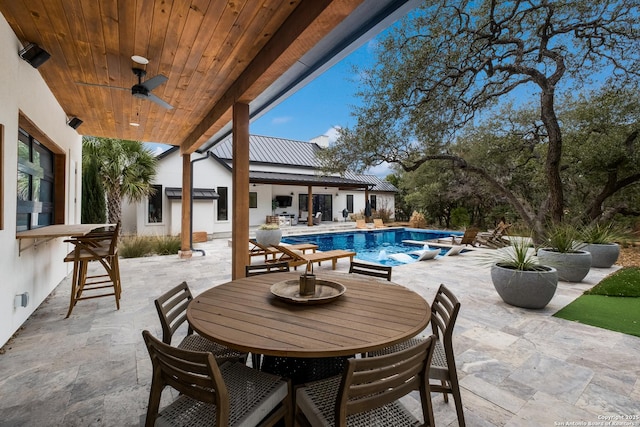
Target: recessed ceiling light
<point x="140" y="59"/>
<point x="134" y="124"/>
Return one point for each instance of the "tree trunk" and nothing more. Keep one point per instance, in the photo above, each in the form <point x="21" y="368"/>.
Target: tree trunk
<point x="554" y="154"/>
<point x="114" y="207"/>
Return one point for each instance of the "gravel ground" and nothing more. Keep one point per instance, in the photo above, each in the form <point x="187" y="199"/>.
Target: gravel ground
<point x="629" y="256"/>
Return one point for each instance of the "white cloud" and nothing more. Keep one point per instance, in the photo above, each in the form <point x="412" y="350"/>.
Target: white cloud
<point x="372" y="45"/>
<point x="281" y="120"/>
<point x="333" y="134"/>
<point x="381" y="171"/>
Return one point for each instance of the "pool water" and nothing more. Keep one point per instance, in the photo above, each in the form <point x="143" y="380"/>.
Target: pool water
<point x="372" y="245"/>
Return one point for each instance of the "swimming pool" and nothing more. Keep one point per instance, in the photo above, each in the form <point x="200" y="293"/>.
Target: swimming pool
<point x="371" y="245"/>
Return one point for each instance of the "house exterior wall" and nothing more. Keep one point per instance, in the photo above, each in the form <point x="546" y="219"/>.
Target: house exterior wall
<point x="36" y="269"/>
<point x="211" y="174"/>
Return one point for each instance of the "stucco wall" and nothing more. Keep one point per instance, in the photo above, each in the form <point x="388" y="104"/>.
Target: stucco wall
<point x="37" y="269"/>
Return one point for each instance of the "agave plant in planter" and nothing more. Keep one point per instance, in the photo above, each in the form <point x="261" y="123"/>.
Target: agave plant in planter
<point x="520" y="280"/>
<point x="269" y="234"/>
<point x="600" y="241"/>
<point x="564" y="251"/>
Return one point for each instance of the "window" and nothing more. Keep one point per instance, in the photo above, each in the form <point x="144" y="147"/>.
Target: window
<point x="253" y="199"/>
<point x="350" y="203"/>
<point x="154" y="210"/>
<point x="223" y="200"/>
<point x="373" y="202"/>
<point x="35" y="183"/>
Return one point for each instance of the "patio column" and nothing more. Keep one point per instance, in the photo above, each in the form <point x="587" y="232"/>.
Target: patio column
<point x="240" y="191"/>
<point x="185" y="226"/>
<point x="309" y="206"/>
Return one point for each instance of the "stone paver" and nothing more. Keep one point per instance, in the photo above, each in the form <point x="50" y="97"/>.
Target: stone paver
<point x="516" y="367"/>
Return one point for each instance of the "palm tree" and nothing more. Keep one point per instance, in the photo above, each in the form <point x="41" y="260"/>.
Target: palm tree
<point x="126" y="169"/>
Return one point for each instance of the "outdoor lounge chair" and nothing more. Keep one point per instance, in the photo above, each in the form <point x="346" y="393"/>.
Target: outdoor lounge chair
<point x="495" y="239"/>
<point x="469" y="237"/>
<point x="377" y="223"/>
<point x="317" y="219"/>
<point x="296" y="258"/>
<point x="258" y="249"/>
<point x="361" y="223"/>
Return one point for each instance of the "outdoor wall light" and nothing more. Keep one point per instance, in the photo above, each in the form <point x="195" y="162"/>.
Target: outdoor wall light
<point x="21" y="300"/>
<point x="34" y="55"/>
<point x="74" y="122"/>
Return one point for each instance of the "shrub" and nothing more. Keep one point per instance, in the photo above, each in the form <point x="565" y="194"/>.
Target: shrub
<point x="166" y="245"/>
<point x="417" y="220"/>
<point x="270" y="226"/>
<point x="135" y="246"/>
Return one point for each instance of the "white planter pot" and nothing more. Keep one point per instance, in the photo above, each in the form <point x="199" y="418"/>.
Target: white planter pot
<point x="269" y="237"/>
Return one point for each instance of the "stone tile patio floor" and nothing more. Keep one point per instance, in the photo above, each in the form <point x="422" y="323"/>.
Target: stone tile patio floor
<point x="516" y="367"/>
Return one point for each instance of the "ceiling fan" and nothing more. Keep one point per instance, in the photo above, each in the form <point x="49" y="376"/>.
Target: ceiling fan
<point x="142" y="89"/>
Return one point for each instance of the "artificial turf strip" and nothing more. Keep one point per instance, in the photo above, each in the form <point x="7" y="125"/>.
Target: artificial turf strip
<point x="623" y="283"/>
<point x="621" y="314"/>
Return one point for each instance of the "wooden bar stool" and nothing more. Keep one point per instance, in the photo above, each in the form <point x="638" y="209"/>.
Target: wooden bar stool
<point x="103" y="248"/>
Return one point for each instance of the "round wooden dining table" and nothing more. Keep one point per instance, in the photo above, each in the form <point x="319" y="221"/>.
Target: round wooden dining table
<point x="243" y="314"/>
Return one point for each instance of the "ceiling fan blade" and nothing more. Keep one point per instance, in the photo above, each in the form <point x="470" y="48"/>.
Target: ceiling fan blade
<point x="160" y="102"/>
<point x="154" y="82"/>
<point x="104" y="86"/>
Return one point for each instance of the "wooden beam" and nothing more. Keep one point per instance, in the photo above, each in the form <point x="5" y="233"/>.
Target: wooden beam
<point x="185" y="226"/>
<point x="299" y="21"/>
<point x="309" y="206"/>
<point x="240" y="192"/>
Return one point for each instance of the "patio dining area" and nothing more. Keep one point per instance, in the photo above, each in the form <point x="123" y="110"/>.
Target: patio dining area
<point x="516" y="367"/>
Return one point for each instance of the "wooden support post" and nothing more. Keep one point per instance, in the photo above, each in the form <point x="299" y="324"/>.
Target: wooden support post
<point x="185" y="225"/>
<point x="309" y="206"/>
<point x="240" y="196"/>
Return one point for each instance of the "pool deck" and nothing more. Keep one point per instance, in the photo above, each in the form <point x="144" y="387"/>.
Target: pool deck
<point x="516" y="367"/>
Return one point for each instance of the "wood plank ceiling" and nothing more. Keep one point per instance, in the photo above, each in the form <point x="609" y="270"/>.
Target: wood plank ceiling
<point x="213" y="52"/>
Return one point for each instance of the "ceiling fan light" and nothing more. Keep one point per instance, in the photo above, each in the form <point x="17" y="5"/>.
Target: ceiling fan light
<point x="140" y="59"/>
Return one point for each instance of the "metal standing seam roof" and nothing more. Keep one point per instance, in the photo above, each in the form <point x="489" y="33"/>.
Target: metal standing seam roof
<point x="378" y="183"/>
<point x="275" y="151"/>
<point x="288" y="152"/>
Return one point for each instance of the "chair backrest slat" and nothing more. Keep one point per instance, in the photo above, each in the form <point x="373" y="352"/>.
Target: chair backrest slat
<point x="375" y="270"/>
<point x="444" y="311"/>
<point x="274" y="267"/>
<point x="172" y="310"/>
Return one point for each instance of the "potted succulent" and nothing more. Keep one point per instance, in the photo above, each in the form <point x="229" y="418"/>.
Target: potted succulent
<point x="269" y="234"/>
<point x="564" y="251"/>
<point x="520" y="280"/>
<point x="600" y="241"/>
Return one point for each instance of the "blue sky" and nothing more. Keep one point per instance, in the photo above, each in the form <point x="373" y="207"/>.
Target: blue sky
<point x="321" y="105"/>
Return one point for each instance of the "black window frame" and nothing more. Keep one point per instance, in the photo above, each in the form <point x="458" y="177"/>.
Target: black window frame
<point x="155" y="200"/>
<point x="222" y="210"/>
<point x="253" y="199"/>
<point x="38" y="167"/>
<point x="350" y="203"/>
